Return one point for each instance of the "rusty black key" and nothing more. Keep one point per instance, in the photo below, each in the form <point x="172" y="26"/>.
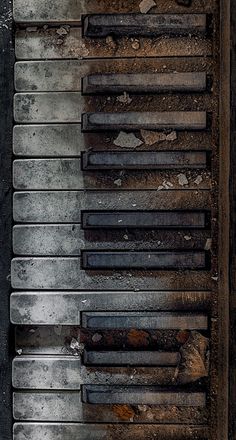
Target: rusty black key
<point x="144" y="82"/>
<point x="141" y="395"/>
<point x="148" y="219"/>
<point x="143" y="25"/>
<point x="143" y="260"/>
<point x="148" y="358"/>
<point x="143" y="160"/>
<point x="145" y="320"/>
<point x="130" y="121"/>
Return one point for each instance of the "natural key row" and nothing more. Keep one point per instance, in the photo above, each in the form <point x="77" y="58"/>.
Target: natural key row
<point x="72" y="239"/>
<point x="72" y="174"/>
<point x="69" y="107"/>
<point x="60" y="273"/>
<point x="68" y="373"/>
<point x="67" y="206"/>
<point x="68" y="173"/>
<point x="67" y="406"/>
<point x="101" y="431"/>
<point x="99" y="75"/>
<point x="63" y="140"/>
<point x="65" y="308"/>
<point x="42" y="45"/>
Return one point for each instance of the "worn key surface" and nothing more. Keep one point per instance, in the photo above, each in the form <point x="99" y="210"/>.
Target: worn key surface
<point x="146" y="25"/>
<point x="64" y="308"/>
<point x="101" y="431"/>
<point x="143" y="160"/>
<point x="147" y="358"/>
<point x="141" y="396"/>
<point x="151" y="121"/>
<point x="147" y="320"/>
<point x="143" y="260"/>
<point x="144" y="82"/>
<point x="148" y="219"/>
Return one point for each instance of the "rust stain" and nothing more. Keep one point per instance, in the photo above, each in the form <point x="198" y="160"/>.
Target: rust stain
<point x="124" y="412"/>
<point x="138" y="337"/>
<point x="182" y="336"/>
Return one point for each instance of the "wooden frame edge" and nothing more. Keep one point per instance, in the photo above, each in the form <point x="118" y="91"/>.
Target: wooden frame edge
<point x="6" y="124"/>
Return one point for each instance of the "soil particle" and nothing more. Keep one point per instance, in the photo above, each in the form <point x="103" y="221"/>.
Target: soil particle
<point x="96" y="337"/>
<point x="194" y="361"/>
<point x="208" y="244"/>
<point x="146" y="5"/>
<point x="187" y="237"/>
<point x="198" y="180"/>
<point x="135" y="44"/>
<point x="171" y="136"/>
<point x="62" y="31"/>
<point x="124" y="99"/>
<point x="118" y="182"/>
<point x="110" y="42"/>
<point x="184" y="2"/>
<point x="153" y="137"/>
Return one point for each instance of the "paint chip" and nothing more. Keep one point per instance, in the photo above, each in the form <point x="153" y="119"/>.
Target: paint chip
<point x="127" y="140"/>
<point x="146" y="5"/>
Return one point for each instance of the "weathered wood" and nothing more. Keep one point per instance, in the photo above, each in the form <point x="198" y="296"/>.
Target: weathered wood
<point x="43" y="45"/>
<point x="66" y="206"/>
<point x="146" y="25"/>
<point x="6" y="123"/>
<point x="130" y="121"/>
<point x="102" y="160"/>
<point x="67" y="407"/>
<point x="70" y="240"/>
<point x="60" y="431"/>
<point x="49" y="273"/>
<point x="67" y="373"/>
<point x="144" y="82"/>
<point x="48" y="140"/>
<point x="144" y="260"/>
<point x="147" y="320"/>
<point x="141" y="396"/>
<point x="158" y="219"/>
<point x="64" y="308"/>
<point x="48" y="107"/>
